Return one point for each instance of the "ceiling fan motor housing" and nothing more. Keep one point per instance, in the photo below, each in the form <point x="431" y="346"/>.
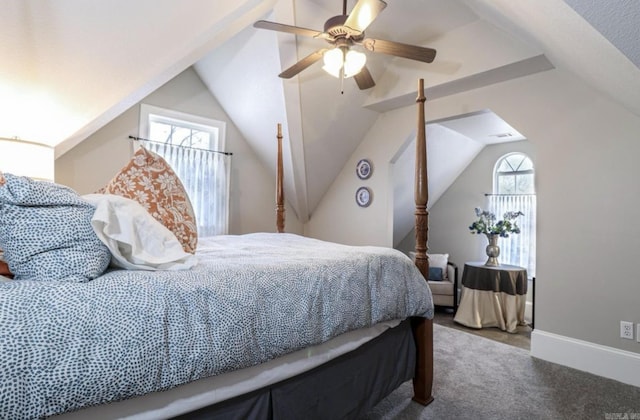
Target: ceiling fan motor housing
<point x="335" y="27"/>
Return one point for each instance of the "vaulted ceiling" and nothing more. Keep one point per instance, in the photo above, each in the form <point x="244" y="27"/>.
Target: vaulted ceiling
<point x="71" y="66"/>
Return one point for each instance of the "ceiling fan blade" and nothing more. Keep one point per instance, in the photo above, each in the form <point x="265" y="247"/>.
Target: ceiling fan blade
<point x="273" y="26"/>
<point x="412" y="52"/>
<point x="363" y="13"/>
<point x="364" y="79"/>
<point x="302" y="64"/>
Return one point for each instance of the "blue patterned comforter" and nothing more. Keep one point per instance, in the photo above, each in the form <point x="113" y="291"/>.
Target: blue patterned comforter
<point x="251" y="298"/>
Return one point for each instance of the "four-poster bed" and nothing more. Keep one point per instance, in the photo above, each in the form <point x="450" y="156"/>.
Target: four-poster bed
<point x="365" y="335"/>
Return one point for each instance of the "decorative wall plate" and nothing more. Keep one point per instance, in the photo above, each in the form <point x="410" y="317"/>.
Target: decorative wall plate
<point x="364" y="196"/>
<point x="364" y="169"/>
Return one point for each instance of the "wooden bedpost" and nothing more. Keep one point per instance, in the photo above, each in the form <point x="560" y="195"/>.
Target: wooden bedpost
<point x="279" y="187"/>
<point x="422" y="327"/>
<point x="421" y="192"/>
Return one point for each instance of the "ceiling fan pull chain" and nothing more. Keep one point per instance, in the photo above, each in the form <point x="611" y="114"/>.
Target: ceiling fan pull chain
<point x="344" y="60"/>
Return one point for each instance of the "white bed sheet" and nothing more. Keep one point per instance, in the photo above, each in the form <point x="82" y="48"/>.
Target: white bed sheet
<point x="207" y="391"/>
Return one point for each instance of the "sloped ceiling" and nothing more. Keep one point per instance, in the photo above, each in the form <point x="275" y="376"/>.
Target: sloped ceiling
<point x="72" y="66"/>
<point x="478" y="42"/>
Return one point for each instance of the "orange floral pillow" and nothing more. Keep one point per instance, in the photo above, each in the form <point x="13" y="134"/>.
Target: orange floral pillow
<point x="149" y="180"/>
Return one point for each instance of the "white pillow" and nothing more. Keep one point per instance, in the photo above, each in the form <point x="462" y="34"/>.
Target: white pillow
<point x="137" y="241"/>
<point x="439" y="260"/>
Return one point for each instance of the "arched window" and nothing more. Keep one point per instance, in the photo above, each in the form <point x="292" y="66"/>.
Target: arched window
<point x="514" y="190"/>
<point x="514" y="175"/>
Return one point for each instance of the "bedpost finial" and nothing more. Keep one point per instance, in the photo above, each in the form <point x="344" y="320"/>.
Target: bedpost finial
<point x="421" y="97"/>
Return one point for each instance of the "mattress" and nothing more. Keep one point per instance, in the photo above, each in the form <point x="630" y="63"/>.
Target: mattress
<point x="250" y="299"/>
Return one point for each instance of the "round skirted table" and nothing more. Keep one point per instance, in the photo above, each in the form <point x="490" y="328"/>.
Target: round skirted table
<point x="492" y="296"/>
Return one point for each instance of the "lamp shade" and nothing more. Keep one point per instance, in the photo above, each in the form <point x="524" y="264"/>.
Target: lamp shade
<point x="19" y="157"/>
<point x="333" y="61"/>
<point x="354" y="62"/>
<point x="340" y="58"/>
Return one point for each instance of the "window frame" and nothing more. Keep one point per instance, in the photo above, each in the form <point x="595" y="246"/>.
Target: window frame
<point x="496" y="184"/>
<point x="197" y="121"/>
<point x="221" y="218"/>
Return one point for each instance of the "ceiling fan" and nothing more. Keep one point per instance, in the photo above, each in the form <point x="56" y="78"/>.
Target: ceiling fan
<point x="343" y="32"/>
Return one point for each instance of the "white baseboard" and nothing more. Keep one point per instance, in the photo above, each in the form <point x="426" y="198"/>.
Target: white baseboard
<point x="609" y="362"/>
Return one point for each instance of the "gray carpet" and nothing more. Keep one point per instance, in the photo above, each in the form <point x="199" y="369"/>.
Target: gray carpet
<point x="478" y="378"/>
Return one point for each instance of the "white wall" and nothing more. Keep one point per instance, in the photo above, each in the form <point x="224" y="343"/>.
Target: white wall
<point x="338" y="218"/>
<point x="90" y="165"/>
<point x="586" y="148"/>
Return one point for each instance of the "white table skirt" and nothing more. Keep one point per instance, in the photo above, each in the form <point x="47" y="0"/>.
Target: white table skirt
<point x="486" y="308"/>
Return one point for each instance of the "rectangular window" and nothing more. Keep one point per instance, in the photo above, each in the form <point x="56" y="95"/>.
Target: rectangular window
<point x="192" y="145"/>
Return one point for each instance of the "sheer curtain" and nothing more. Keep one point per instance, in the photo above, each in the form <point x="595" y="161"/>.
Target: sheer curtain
<point x="205" y="176"/>
<point x="517" y="249"/>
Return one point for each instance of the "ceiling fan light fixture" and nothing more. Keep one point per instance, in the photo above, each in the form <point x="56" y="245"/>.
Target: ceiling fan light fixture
<point x="352" y="62"/>
<point x="333" y="61"/>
